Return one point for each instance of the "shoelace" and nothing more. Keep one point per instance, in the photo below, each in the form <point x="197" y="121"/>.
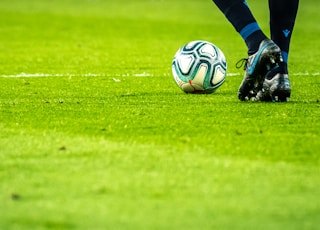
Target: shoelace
<point x="242" y="62"/>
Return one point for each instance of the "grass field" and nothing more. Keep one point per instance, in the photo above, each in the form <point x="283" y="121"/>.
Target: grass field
<point x="94" y="133"/>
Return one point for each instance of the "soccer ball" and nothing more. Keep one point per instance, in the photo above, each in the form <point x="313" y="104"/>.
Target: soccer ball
<point x="199" y="67"/>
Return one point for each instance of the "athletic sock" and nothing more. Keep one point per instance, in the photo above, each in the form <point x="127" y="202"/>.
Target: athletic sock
<point x="282" y="19"/>
<point x="240" y="16"/>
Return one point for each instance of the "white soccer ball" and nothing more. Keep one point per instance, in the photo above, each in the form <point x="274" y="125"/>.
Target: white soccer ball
<point x="199" y="67"/>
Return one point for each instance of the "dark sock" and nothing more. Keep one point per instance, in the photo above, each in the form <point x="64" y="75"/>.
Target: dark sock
<point x="282" y="18"/>
<point x="240" y="16"/>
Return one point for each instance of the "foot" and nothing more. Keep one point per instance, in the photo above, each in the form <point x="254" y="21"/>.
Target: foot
<point x="256" y="67"/>
<point x="276" y="86"/>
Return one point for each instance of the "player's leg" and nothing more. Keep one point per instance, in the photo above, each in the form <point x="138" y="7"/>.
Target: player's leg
<point x="240" y="16"/>
<point x="282" y="19"/>
<point x="262" y="51"/>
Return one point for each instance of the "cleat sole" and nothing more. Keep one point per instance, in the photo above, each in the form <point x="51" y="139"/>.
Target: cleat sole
<point x="281" y="96"/>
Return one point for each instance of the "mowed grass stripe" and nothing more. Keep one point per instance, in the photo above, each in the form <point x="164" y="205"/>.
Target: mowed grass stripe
<point x="130" y="180"/>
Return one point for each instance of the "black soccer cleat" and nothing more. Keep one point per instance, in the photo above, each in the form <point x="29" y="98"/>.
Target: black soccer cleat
<point x="256" y="67"/>
<point x="276" y="86"/>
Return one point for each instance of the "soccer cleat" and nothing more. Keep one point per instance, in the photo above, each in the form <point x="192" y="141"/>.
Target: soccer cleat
<point x="276" y="86"/>
<point x="256" y="67"/>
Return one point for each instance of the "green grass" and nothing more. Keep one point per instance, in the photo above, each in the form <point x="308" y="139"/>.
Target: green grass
<point x="123" y="151"/>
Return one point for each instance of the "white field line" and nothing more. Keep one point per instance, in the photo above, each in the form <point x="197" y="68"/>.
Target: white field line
<point x="293" y="74"/>
<point x="35" y="75"/>
<point x="143" y="74"/>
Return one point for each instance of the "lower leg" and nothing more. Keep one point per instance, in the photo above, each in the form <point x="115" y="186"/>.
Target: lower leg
<point x="240" y="16"/>
<point x="282" y="19"/>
